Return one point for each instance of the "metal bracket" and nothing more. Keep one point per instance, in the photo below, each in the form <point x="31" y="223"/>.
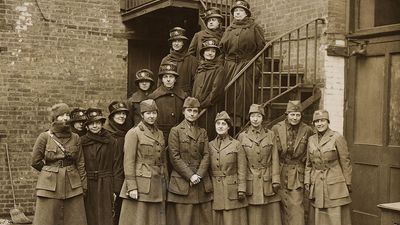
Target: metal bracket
<point x="333" y="50"/>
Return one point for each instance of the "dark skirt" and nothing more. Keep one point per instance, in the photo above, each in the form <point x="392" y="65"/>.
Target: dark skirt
<point x="142" y="213"/>
<point x="50" y="211"/>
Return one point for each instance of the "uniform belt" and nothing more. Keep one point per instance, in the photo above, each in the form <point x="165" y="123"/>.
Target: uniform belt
<point x="290" y="162"/>
<point x="94" y="175"/>
<point x="150" y="162"/>
<point x="61" y="163"/>
<point x="260" y="166"/>
<point x="219" y="173"/>
<point x="326" y="165"/>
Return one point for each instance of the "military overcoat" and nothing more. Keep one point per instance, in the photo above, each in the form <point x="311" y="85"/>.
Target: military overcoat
<point x="198" y="39"/>
<point x="328" y="170"/>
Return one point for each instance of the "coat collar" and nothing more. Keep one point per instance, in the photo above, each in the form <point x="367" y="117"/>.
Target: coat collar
<point x="300" y="134"/>
<point x="147" y="132"/>
<point x="282" y="131"/>
<point x="193" y="133"/>
<point x="327" y="137"/>
<point x="263" y="134"/>
<point x="224" y="143"/>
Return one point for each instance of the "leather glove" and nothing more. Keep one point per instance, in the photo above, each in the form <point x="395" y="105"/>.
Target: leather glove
<point x="133" y="194"/>
<point x="241" y="195"/>
<point x="276" y="187"/>
<point x="349" y="188"/>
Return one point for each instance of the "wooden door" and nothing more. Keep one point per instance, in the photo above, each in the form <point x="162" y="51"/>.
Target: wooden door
<point x="373" y="126"/>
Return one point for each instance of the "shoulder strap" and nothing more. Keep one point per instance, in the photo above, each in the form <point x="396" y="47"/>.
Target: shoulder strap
<point x="57" y="142"/>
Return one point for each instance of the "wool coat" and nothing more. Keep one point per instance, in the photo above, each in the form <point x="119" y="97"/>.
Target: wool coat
<point x="328" y="170"/>
<point x="292" y="153"/>
<point x="169" y="103"/>
<point x="145" y="170"/>
<point x="241" y="41"/>
<point x="228" y="172"/>
<point x="99" y="152"/>
<point x="134" y="117"/>
<point x="186" y="68"/>
<point x="61" y="180"/>
<point x="198" y="39"/>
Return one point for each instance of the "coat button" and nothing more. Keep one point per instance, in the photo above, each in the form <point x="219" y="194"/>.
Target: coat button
<point x="172" y="95"/>
<point x="172" y="114"/>
<point x="259" y="176"/>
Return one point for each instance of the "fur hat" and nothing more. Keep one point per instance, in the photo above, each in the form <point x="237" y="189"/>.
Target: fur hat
<point x="168" y="68"/>
<point x="78" y="115"/>
<point x="58" y="110"/>
<point x="209" y="43"/>
<point x="177" y="33"/>
<point x="144" y="75"/>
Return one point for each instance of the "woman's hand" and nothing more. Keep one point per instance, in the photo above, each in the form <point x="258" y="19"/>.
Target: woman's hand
<point x="133" y="194"/>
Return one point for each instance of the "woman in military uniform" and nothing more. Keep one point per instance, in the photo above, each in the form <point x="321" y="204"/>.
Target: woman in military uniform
<point x="116" y="124"/>
<point x="328" y="174"/>
<point x="292" y="137"/>
<point x="263" y="179"/>
<point x="186" y="64"/>
<point x="242" y="40"/>
<point x="208" y="83"/>
<point x="58" y="155"/>
<point x="144" y="83"/>
<point x="190" y="187"/>
<point x="228" y="171"/>
<point x="144" y="188"/>
<point x="213" y="20"/>
<point x="169" y="98"/>
<point x="98" y="149"/>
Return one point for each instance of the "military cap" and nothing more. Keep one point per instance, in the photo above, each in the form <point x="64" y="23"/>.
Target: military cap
<point x="223" y="116"/>
<point x="177" y="33"/>
<point x="320" y="114"/>
<point x="168" y="68"/>
<point x="144" y="75"/>
<point x="256" y="108"/>
<point x="294" y="106"/>
<point x="213" y="12"/>
<point x="58" y="110"/>
<point x="78" y="115"/>
<point x="241" y="4"/>
<point x="148" y="105"/>
<point x="209" y="43"/>
<point x="93" y="115"/>
<point x="191" y="102"/>
<point x="117" y="106"/>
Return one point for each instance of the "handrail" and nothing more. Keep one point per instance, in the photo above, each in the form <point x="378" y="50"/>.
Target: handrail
<point x="265" y="48"/>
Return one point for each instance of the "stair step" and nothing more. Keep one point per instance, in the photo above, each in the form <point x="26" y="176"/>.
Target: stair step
<point x="283" y="73"/>
<point x="274" y="87"/>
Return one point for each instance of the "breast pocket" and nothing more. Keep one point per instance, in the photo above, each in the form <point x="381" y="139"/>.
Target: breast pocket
<point x="74" y="178"/>
<point x="146" y="147"/>
<point x="47" y="179"/>
<point x="143" y="180"/>
<point x="232" y="184"/>
<point x="266" y="149"/>
<point x="267" y="185"/>
<point x="178" y="185"/>
<point x="73" y="151"/>
<point x="337" y="187"/>
<point x="330" y="154"/>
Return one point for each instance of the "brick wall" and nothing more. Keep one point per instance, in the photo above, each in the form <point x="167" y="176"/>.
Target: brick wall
<point x="52" y="51"/>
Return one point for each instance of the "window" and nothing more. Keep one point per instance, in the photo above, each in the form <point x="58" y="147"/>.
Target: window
<point x="375" y="13"/>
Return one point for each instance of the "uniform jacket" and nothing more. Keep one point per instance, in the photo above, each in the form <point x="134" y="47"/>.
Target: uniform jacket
<point x="118" y="132"/>
<point x="189" y="155"/>
<point x="98" y="150"/>
<point x="133" y="105"/>
<point x="55" y="181"/>
<point x="292" y="164"/>
<point x="200" y="37"/>
<point x="169" y="103"/>
<point x="262" y="165"/>
<point x="328" y="170"/>
<point x="186" y="68"/>
<point x="145" y="164"/>
<point x="228" y="172"/>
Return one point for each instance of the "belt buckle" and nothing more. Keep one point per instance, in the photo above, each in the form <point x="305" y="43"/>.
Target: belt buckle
<point x="61" y="163"/>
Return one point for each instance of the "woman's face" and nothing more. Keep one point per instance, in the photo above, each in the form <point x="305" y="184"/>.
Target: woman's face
<point x="213" y="23"/>
<point x="144" y="85"/>
<point x="210" y="53"/>
<point x="120" y="117"/>
<point x="239" y="13"/>
<point x="63" y="118"/>
<point x="95" y="127"/>
<point x="177" y="45"/>
<point x="150" y="117"/>
<point x="256" y="119"/>
<point x="168" y="80"/>
<point x="221" y="127"/>
<point x="78" y="125"/>
<point x="294" y="118"/>
<point x="321" y="125"/>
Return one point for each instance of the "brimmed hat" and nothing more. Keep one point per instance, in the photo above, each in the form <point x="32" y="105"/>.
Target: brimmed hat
<point x="255" y="108"/>
<point x="78" y="115"/>
<point x="58" y="110"/>
<point x="223" y="116"/>
<point x="168" y="68"/>
<point x="177" y="33"/>
<point x="209" y="43"/>
<point x="191" y="102"/>
<point x="213" y="12"/>
<point x="294" y="106"/>
<point x="93" y="115"/>
<point x="117" y="106"/>
<point x="241" y="4"/>
<point x="148" y="106"/>
<point x="144" y="75"/>
<point x="320" y="114"/>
